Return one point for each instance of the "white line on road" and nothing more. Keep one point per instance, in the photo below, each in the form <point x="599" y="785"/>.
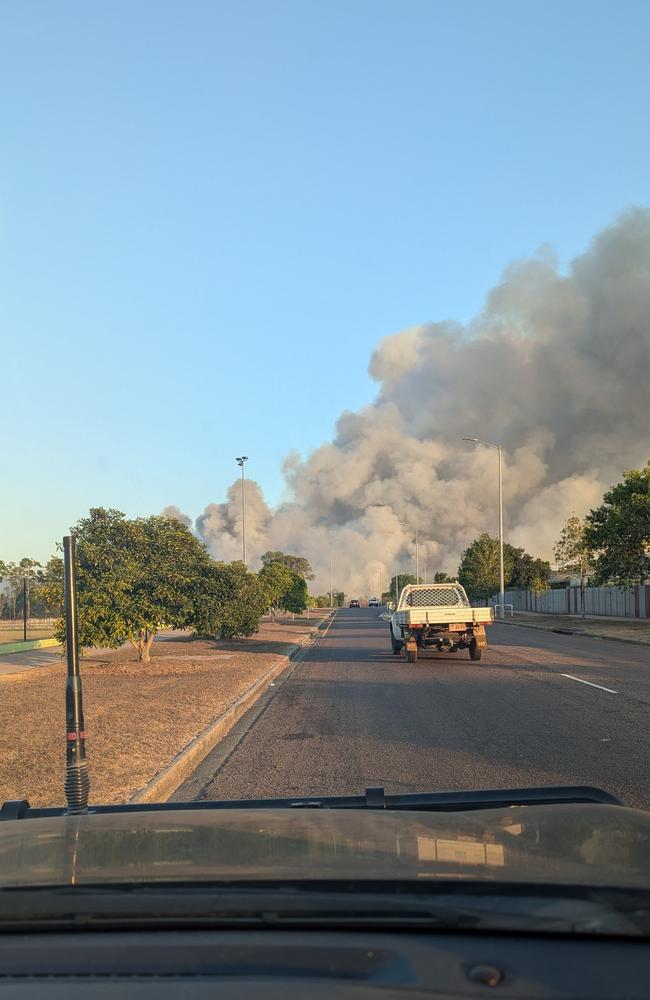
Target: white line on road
<point x="580" y="681"/>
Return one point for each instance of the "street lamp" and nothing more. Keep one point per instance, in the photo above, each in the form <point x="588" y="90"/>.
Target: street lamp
<point x="417" y="559"/>
<point x="331" y="588"/>
<point x="502" y="593"/>
<point x="240" y="462"/>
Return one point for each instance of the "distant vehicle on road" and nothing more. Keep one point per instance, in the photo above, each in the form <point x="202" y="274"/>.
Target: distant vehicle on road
<point x="438" y="616"/>
<point x="354" y="604"/>
<point x="373" y="603"/>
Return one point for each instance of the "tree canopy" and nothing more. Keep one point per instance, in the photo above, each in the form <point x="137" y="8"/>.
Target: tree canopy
<point x="479" y="568"/>
<point x="297" y="564"/>
<point x="618" y="531"/>
<point x="17" y="574"/>
<point x="228" y="601"/>
<point x="283" y="587"/>
<point x="133" y="576"/>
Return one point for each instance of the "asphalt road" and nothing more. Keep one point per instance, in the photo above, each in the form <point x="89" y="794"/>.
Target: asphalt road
<point x="351" y="715"/>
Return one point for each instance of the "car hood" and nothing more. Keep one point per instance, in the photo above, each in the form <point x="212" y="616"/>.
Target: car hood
<point x="584" y="844"/>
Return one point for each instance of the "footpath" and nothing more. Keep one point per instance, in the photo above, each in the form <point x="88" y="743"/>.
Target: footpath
<point x="634" y="630"/>
<point x="145" y="722"/>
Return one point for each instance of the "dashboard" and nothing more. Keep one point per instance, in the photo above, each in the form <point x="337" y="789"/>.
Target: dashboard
<point x="317" y="964"/>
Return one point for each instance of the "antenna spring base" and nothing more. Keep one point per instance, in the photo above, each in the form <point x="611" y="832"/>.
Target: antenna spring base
<point x="77" y="786"/>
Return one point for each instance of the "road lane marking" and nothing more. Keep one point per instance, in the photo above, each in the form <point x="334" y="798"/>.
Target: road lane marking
<point x="580" y="681"/>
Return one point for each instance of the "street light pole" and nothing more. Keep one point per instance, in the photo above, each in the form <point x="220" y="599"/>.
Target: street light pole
<point x="417" y="558"/>
<point x="502" y="591"/>
<point x="240" y="462"/>
<point x="396" y="582"/>
<point x="331" y="588"/>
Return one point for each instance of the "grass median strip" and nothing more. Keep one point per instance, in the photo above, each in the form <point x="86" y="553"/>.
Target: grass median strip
<point x="138" y="716"/>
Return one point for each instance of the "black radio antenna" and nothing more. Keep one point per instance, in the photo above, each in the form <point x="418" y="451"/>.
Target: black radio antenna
<point x="77" y="781"/>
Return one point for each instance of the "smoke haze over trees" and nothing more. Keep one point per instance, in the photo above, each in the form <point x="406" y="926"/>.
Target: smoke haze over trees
<point x="555" y="368"/>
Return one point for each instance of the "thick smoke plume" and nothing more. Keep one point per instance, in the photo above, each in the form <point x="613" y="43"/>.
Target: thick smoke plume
<point x="556" y="368"/>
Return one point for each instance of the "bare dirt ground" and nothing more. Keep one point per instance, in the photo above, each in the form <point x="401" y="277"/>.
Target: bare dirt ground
<point x="138" y="715"/>
<point x="636" y="629"/>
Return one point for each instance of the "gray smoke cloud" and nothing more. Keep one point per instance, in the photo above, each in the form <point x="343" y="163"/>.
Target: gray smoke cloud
<point x="556" y="368"/>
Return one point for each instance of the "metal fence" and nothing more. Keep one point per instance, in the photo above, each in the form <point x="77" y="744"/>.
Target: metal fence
<point x="618" y="602"/>
<point x="13" y="629"/>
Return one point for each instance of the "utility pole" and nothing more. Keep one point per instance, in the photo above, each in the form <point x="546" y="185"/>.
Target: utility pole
<point x="396" y="582"/>
<point x="417" y="559"/>
<point x="240" y="462"/>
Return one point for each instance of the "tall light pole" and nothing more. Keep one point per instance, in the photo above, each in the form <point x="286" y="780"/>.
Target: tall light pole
<point x="331" y="588"/>
<point x="417" y="558"/>
<point x="396" y="581"/>
<point x="240" y="462"/>
<point x="502" y="591"/>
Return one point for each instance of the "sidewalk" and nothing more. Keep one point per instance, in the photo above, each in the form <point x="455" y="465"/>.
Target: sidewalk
<point x="634" y="630"/>
<point x="27" y="659"/>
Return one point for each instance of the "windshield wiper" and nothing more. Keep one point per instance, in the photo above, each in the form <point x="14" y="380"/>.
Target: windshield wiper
<point x="374" y="798"/>
<point x="512" y="907"/>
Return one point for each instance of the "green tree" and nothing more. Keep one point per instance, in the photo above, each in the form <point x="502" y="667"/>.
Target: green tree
<point x="276" y="580"/>
<point x="319" y="601"/>
<point x="572" y="552"/>
<point x="22" y="577"/>
<point x="297" y="564"/>
<point x="444" y="578"/>
<point x="295" y="599"/>
<point x="479" y="567"/>
<point x="402" y="580"/>
<point x="618" y="531"/>
<point x="228" y="601"/>
<point x="283" y="587"/>
<point x="133" y="576"/>
<point x="526" y="572"/>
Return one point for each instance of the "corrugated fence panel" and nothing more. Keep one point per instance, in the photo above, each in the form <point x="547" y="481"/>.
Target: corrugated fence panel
<point x="620" y="602"/>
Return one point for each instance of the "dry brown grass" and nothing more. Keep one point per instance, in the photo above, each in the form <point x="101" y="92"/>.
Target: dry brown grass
<point x="138" y="716"/>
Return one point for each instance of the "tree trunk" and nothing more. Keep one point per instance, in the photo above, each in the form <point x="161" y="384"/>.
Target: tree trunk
<point x="582" y="595"/>
<point x="145" y="643"/>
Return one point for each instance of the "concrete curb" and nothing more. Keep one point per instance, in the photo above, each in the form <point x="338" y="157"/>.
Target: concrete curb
<point x="24" y="647"/>
<point x="165" y="783"/>
<point x="574" y="631"/>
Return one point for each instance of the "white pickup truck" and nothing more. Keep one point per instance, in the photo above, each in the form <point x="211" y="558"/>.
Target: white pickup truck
<point x="438" y="616"/>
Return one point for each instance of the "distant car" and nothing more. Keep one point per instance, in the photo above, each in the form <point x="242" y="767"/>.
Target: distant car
<point x="354" y="604"/>
<point x="373" y="603"/>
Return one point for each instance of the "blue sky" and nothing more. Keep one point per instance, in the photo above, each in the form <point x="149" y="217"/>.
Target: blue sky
<point x="210" y="212"/>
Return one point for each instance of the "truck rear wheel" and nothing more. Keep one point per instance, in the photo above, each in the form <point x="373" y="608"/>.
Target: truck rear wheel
<point x="475" y="651"/>
<point x="411" y="651"/>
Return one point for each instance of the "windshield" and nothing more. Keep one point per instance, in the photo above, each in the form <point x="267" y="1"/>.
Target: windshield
<point x="325" y="379"/>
